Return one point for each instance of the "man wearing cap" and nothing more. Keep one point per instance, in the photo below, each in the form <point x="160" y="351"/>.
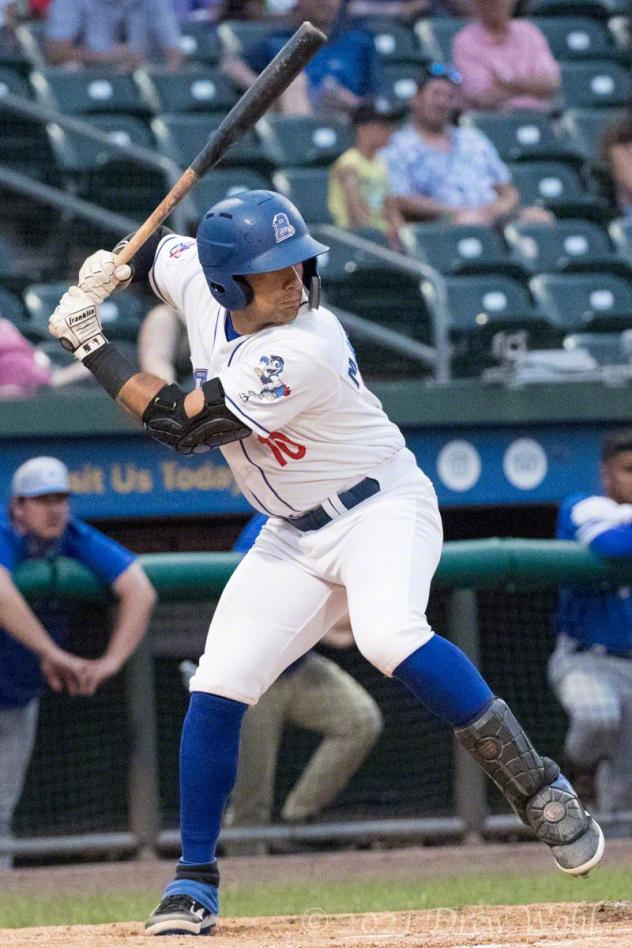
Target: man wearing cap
<point x="443" y="172"/>
<point x="39" y="526"/>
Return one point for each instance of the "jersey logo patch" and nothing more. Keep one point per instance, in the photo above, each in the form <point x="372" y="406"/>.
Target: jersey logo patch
<point x="177" y="250"/>
<point x="200" y="376"/>
<point x="269" y="374"/>
<point x="282" y="227"/>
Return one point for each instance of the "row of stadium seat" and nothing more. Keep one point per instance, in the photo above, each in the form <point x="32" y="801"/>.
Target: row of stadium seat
<point x="595" y="84"/>
<point x="476" y="306"/>
<point x="575" y="31"/>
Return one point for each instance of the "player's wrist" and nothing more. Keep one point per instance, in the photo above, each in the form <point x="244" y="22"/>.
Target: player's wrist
<point x="89" y="347"/>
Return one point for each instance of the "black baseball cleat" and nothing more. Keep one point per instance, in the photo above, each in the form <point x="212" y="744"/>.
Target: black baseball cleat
<point x="180" y="915"/>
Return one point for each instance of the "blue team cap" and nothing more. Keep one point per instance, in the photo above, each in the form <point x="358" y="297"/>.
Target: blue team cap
<point x="40" y="476"/>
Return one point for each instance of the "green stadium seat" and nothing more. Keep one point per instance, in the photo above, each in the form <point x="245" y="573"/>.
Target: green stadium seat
<point x="87" y="92"/>
<point x="236" y="36"/>
<point x="590" y="85"/>
<point x="107" y="176"/>
<point x="477" y="308"/>
<point x="398" y="82"/>
<point x="181" y="136"/>
<point x="199" y="42"/>
<point x="12" y="56"/>
<point x="557" y="186"/>
<point x="121" y="314"/>
<point x="30" y="38"/>
<point x="307" y="188"/>
<point x="394" y="42"/>
<point x="435" y="35"/>
<point x="192" y="89"/>
<point x="585" y="129"/>
<point x="592" y="8"/>
<point x="577" y="37"/>
<point x="356" y="281"/>
<point x="606" y="348"/>
<point x="459" y="249"/>
<point x="566" y="246"/>
<point x="12" y="82"/>
<point x="576" y="301"/>
<point x="519" y="136"/>
<point x="222" y="183"/>
<point x="12" y="308"/>
<point x="23" y="143"/>
<point x="295" y="141"/>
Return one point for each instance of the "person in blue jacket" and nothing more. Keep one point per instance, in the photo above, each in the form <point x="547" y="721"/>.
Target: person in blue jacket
<point x="591" y="668"/>
<point x="38" y="525"/>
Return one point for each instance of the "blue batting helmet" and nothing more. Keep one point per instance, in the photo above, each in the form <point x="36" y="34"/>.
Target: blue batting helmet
<point x="254" y="232"/>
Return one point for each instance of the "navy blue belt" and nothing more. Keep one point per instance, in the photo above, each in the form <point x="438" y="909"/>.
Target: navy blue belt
<point x="317" y="517"/>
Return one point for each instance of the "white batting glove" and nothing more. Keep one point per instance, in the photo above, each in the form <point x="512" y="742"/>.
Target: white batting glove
<point x="76" y="323"/>
<point x="99" y="276"/>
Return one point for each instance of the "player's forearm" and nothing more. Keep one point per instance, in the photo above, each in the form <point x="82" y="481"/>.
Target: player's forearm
<point x="21" y="623"/>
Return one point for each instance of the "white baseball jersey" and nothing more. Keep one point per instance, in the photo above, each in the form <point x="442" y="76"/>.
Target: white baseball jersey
<point x="316" y="428"/>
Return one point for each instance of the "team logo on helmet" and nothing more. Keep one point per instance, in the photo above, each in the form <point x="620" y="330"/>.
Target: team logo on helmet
<point x="282" y="227"/>
<point x="269" y="374"/>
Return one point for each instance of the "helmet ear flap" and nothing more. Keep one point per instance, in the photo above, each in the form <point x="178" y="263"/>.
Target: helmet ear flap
<point x="235" y="294"/>
<point x="311" y="280"/>
<point x="247" y="290"/>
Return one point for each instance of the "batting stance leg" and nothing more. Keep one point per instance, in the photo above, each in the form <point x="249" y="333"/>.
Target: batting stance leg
<point x="394" y="546"/>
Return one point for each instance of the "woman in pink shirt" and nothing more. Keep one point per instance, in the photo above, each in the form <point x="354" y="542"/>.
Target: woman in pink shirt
<point x="506" y="64"/>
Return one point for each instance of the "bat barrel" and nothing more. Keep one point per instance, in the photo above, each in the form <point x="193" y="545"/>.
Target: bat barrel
<point x="269" y="85"/>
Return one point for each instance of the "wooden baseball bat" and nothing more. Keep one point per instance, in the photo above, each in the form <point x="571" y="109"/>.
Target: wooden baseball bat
<point x="267" y="87"/>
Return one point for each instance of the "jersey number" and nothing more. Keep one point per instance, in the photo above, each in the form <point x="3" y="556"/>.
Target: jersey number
<point x="281" y="445"/>
<point x="353" y="372"/>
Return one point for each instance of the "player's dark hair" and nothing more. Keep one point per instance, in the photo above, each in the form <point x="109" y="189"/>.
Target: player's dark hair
<point x="615" y="443"/>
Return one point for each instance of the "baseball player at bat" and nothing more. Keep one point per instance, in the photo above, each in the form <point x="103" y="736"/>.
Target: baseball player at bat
<point x="352" y="519"/>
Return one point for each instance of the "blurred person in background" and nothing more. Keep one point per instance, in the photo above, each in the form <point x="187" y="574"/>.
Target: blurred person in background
<point x="590" y="670"/>
<point x="162" y="344"/>
<point x="312" y="693"/>
<point x="122" y="34"/>
<point x="39" y="526"/>
<point x="617" y="155"/>
<point x="443" y="172"/>
<point x="199" y="11"/>
<point x="358" y="181"/>
<point x="505" y="63"/>
<point x="23" y="370"/>
<point x="341" y="75"/>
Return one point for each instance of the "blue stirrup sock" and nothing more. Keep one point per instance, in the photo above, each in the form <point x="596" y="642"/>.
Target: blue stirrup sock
<point x="446" y="681"/>
<point x="208" y="768"/>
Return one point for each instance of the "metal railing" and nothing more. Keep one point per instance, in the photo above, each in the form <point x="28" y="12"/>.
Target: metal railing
<point x="137" y="154"/>
<point x="465" y="568"/>
<point x="437" y="356"/>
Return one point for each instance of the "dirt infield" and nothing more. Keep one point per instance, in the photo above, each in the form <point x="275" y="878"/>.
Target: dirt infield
<point x="560" y="925"/>
<point x="552" y="925"/>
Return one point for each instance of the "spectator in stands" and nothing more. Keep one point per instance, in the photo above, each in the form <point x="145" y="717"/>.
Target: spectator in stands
<point x="505" y="63"/>
<point x="591" y="668"/>
<point x="39" y="527"/>
<point x="312" y="693"/>
<point x="22" y="369"/>
<point x="162" y="344"/>
<point x="339" y="77"/>
<point x="406" y="10"/>
<point x="358" y="183"/>
<point x="617" y="153"/>
<point x="439" y="171"/>
<point x="121" y="34"/>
